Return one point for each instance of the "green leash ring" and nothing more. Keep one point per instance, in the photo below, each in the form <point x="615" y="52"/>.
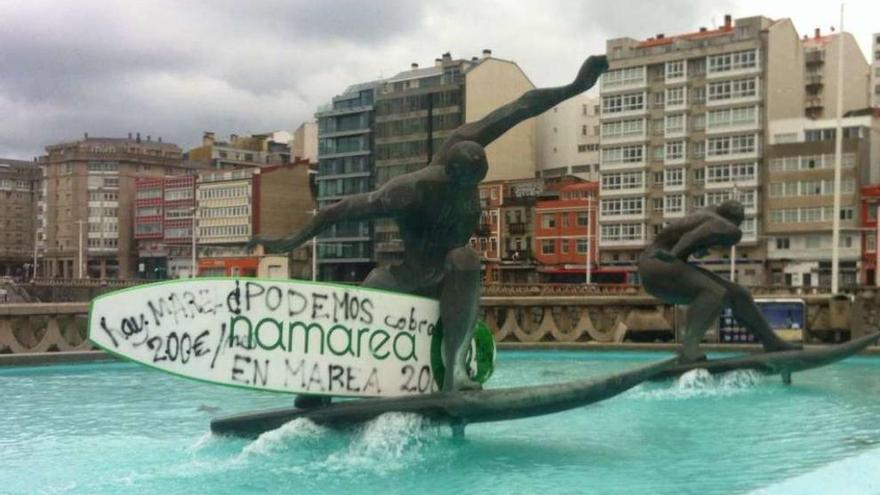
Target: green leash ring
<point x="480" y="358"/>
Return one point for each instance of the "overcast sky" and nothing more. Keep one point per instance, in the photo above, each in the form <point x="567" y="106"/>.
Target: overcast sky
<point x="177" y="68"/>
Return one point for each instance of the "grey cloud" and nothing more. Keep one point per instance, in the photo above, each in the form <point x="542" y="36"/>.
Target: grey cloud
<point x="176" y="69"/>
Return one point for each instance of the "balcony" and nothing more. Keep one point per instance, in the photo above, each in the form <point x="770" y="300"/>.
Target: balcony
<point x="814" y="84"/>
<point x="814" y="57"/>
<point x="516" y="228"/>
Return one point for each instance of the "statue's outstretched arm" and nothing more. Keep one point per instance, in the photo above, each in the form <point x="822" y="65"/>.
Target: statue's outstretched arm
<point x="380" y="203"/>
<point x="530" y="104"/>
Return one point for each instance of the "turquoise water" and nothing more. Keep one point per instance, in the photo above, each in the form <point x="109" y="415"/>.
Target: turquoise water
<point x="119" y="428"/>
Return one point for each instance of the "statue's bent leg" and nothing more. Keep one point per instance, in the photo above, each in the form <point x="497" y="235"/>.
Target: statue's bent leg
<point x="459" y="304"/>
<point x="749" y="315"/>
<point x="702" y="312"/>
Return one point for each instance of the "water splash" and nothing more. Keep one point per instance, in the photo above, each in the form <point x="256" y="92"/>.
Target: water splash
<point x="389" y="443"/>
<point x="701" y="383"/>
<point x="277" y="439"/>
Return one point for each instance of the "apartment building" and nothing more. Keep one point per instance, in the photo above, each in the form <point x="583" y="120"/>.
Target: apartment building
<point x="346" y="164"/>
<point x="568" y="139"/>
<point x="416" y="110"/>
<point x="305" y="142"/>
<point x="163" y="217"/>
<point x="505" y="233"/>
<point x="799" y="205"/>
<point x="822" y="57"/>
<point x="875" y="70"/>
<point x="19" y="188"/>
<point x="258" y="150"/>
<point x="88" y="202"/>
<point x="565" y="231"/>
<point x="235" y="205"/>
<point x="684" y="125"/>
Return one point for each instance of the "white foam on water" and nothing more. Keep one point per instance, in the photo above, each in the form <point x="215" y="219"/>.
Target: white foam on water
<point x="203" y="441"/>
<point x="389" y="443"/>
<point x="701" y="383"/>
<point x="857" y="475"/>
<point x="276" y="439"/>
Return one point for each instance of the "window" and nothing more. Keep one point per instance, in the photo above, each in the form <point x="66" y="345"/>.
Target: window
<point x="675" y="123"/>
<point x="622" y="206"/>
<point x="582" y="219"/>
<point x="621" y="232"/>
<point x="623" y="128"/>
<point x="673" y="203"/>
<point x="563" y="246"/>
<point x="731" y="145"/>
<point x="732" y="173"/>
<point x="623" y="154"/>
<point x="582" y="246"/>
<point x="623" y="77"/>
<point x="747" y="59"/>
<point x="622" y="180"/>
<point x="675" y="96"/>
<point x="548" y="246"/>
<point x="675" y="69"/>
<point x="657" y="204"/>
<point x="675" y="150"/>
<point x="733" y="89"/>
<point x="548" y="220"/>
<point x="623" y="103"/>
<point x="716" y="198"/>
<point x="783" y="243"/>
<point x="673" y="177"/>
<point x="732" y="117"/>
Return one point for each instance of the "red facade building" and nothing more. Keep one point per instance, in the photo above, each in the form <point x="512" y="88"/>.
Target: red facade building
<point x="565" y="233"/>
<point x="163" y="226"/>
<point x="870" y="234"/>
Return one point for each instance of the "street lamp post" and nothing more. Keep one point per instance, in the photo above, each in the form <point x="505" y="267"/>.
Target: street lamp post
<point x="838" y="153"/>
<point x="589" y="240"/>
<point x="79" y="270"/>
<point x="193" y="229"/>
<point x="34" y="273"/>
<point x="314" y="251"/>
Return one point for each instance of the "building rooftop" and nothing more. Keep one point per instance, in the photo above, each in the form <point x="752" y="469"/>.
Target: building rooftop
<point x="98" y="141"/>
<point x="702" y="33"/>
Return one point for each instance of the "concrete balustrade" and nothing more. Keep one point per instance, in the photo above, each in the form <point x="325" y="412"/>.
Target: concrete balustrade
<point x="52" y="328"/>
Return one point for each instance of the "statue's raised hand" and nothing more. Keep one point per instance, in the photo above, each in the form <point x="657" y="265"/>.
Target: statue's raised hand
<point x="590" y="71"/>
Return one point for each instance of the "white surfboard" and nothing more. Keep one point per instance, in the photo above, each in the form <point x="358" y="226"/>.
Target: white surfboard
<point x="286" y="336"/>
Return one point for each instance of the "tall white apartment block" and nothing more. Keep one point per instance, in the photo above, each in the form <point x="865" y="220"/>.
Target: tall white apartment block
<point x="568" y="139"/>
<point x="683" y="125"/>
